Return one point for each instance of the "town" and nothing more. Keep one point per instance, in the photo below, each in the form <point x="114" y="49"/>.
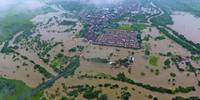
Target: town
<point x="100" y="24"/>
<point x="118" y="38"/>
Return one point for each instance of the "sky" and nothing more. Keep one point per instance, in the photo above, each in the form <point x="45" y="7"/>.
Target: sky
<point x="32" y="4"/>
<point x="28" y="4"/>
<point x="105" y="1"/>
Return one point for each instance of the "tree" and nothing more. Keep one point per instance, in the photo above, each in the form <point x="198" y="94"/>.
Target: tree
<point x="121" y="76"/>
<point x="167" y="62"/>
<point x="64" y="98"/>
<point x="103" y="97"/>
<point x="147" y="52"/>
<point x="125" y="96"/>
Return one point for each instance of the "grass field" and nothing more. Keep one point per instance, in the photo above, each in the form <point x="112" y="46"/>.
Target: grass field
<point x="13" y="23"/>
<point x="133" y="27"/>
<point x="153" y="60"/>
<point x="58" y="61"/>
<point x="36" y="96"/>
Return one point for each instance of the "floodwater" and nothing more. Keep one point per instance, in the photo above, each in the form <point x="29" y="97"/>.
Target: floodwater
<point x="157" y="46"/>
<point x="27" y="73"/>
<point x="187" y="25"/>
<point x="139" y="93"/>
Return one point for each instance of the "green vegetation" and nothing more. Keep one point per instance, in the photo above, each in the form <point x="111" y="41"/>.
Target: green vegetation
<point x="133" y="27"/>
<point x="42" y="47"/>
<point x="139" y="18"/>
<point x="195" y="57"/>
<point x="98" y="60"/>
<point x="193" y="48"/>
<point x="12" y="24"/>
<point x="153" y="60"/>
<point x="167" y="62"/>
<point x="172" y="74"/>
<point x="123" y="62"/>
<point x="69" y="70"/>
<point x="58" y="61"/>
<point x="189" y="98"/>
<point x="37" y="67"/>
<point x="77" y="48"/>
<point x="180" y="89"/>
<point x="147" y="52"/>
<point x="178" y="5"/>
<point x="162" y="20"/>
<point x="147" y="37"/>
<point x="7" y="49"/>
<point x="191" y="6"/>
<point x="37" y="96"/>
<point x="125" y="27"/>
<point x="21" y="37"/>
<point x="165" y="19"/>
<point x="12" y="89"/>
<point x="65" y="22"/>
<point x="15" y="21"/>
<point x="103" y="97"/>
<point x="43" y="71"/>
<point x="121" y="77"/>
<point x="84" y="30"/>
<point x="160" y="38"/>
<point x="125" y="95"/>
<point x="74" y="63"/>
<point x="89" y="92"/>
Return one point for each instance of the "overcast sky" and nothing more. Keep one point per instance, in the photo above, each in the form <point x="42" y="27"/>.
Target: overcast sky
<point x="28" y="4"/>
<point x="31" y="4"/>
<point x="104" y="1"/>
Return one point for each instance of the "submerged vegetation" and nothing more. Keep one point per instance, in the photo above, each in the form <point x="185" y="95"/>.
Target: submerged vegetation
<point x="57" y="62"/>
<point x="12" y="89"/>
<point x="122" y="77"/>
<point x="190" y="46"/>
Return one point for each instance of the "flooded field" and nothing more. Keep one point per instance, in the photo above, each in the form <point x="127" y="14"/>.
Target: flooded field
<point x="163" y="46"/>
<point x="141" y="70"/>
<point x="138" y="92"/>
<point x="187" y="25"/>
<point x="58" y="58"/>
<point x="18" y="70"/>
<point x="14" y="67"/>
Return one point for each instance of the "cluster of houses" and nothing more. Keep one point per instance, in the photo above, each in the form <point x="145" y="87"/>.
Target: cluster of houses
<point x="118" y="38"/>
<point x="100" y="22"/>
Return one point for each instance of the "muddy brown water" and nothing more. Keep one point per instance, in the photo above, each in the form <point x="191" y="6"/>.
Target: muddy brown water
<point x="138" y="94"/>
<point x="187" y="25"/>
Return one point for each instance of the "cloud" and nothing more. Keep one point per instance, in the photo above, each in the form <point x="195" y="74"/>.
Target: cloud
<point x="28" y="4"/>
<point x="104" y="1"/>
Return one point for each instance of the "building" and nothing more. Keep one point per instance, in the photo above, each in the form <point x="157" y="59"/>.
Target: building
<point x="118" y="38"/>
